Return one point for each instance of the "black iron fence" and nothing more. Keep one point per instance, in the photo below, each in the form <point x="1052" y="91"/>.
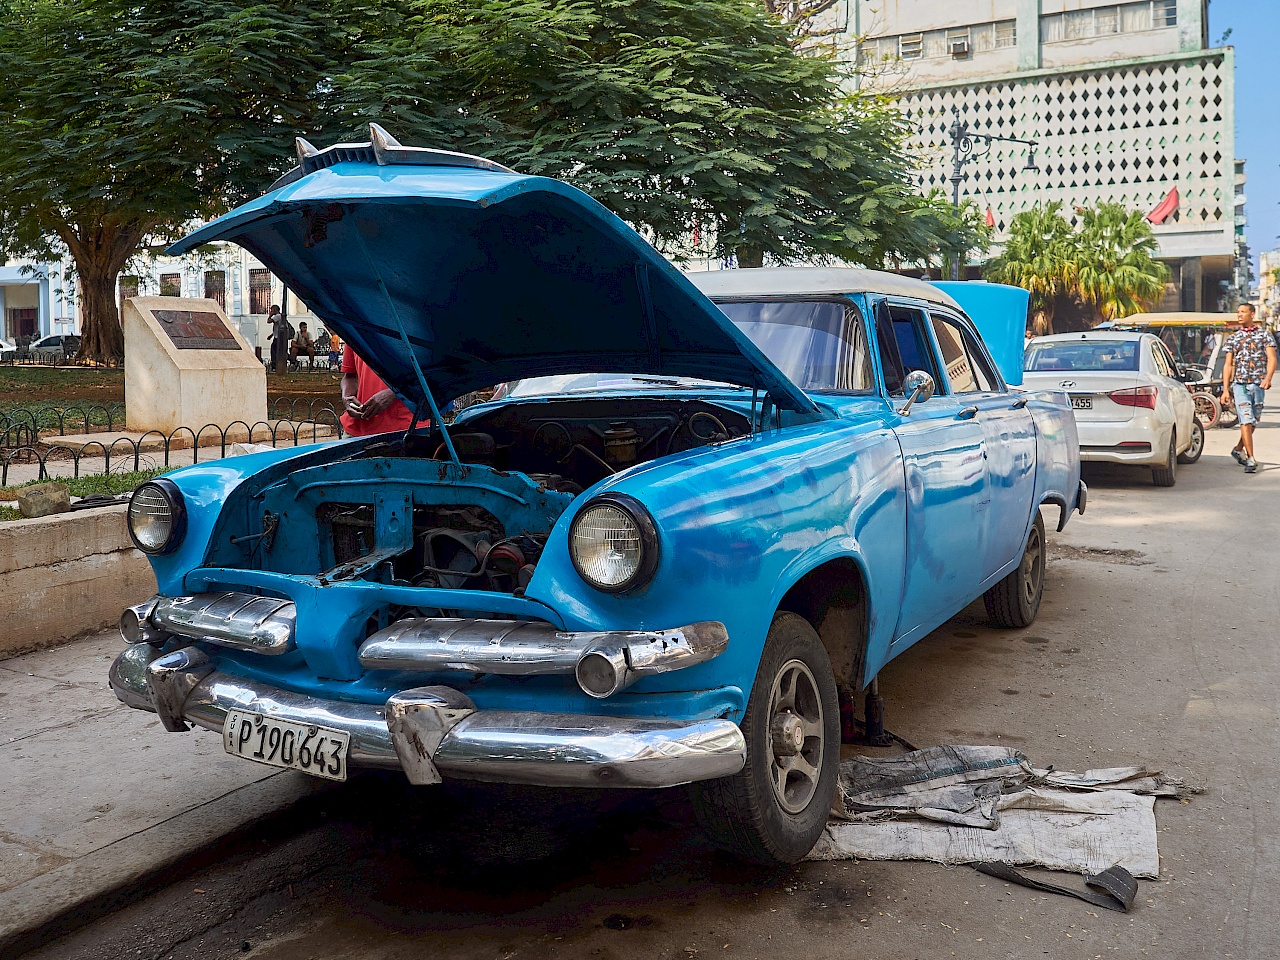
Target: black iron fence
<point x="20" y="441"/>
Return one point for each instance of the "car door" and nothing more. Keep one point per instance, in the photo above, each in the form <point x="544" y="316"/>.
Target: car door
<point x="1174" y="391"/>
<point x="948" y="502"/>
<point x="1008" y="432"/>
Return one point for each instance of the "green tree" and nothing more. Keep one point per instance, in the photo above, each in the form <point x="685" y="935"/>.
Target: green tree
<point x="123" y="120"/>
<point x="687" y="114"/>
<point x="1117" y="273"/>
<point x="964" y="230"/>
<point x="1040" y="256"/>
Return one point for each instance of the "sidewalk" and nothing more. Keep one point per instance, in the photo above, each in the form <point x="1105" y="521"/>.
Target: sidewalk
<point x="94" y="797"/>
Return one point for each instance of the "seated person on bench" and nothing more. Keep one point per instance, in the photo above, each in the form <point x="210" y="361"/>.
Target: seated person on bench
<point x="302" y="343"/>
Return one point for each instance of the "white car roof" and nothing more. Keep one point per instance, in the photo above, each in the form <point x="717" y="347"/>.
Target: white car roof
<point x="797" y="281"/>
<point x="1091" y="335"/>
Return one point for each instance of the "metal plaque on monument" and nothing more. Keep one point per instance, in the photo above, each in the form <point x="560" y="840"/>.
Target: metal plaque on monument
<point x="186" y="366"/>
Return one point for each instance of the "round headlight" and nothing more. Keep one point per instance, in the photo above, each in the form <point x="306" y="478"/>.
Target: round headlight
<point x="157" y="517"/>
<point x="614" y="544"/>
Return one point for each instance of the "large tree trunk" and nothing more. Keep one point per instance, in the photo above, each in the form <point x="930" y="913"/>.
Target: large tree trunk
<point x="101" y="248"/>
<point x="750" y="256"/>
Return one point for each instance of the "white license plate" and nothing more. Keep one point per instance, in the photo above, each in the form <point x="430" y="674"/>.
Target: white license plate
<point x="1082" y="403"/>
<point x="319" y="751"/>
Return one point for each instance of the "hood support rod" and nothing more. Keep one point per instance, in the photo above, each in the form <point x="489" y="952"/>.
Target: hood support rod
<point x="436" y="418"/>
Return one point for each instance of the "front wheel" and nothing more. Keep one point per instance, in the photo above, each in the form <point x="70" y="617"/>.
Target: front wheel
<point x="1015" y="600"/>
<point x="774" y="810"/>
<point x="1192" y="453"/>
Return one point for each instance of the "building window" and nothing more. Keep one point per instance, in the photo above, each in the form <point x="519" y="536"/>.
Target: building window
<point x="1109" y="20"/>
<point x="957" y="42"/>
<point x="170" y="284"/>
<point x="259" y="291"/>
<point x="215" y="287"/>
<point x="911" y="46"/>
<point x="1164" y="13"/>
<point x="1006" y="34"/>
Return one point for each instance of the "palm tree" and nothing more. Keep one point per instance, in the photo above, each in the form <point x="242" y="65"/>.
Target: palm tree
<point x="1117" y="272"/>
<point x="1040" y="257"/>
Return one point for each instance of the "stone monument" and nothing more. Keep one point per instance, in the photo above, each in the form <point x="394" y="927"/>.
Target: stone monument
<point x="186" y="366"/>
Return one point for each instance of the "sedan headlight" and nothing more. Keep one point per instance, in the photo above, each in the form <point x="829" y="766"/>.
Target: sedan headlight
<point x="157" y="517"/>
<point x="614" y="543"/>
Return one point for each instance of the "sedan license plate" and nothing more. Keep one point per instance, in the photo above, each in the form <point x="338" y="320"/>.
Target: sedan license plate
<point x="319" y="751"/>
<point x="1081" y="403"/>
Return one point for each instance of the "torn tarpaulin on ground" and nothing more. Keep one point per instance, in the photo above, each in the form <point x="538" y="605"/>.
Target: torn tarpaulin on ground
<point x="973" y="804"/>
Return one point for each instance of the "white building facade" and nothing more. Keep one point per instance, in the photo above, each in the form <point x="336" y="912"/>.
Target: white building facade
<point x="1126" y="102"/>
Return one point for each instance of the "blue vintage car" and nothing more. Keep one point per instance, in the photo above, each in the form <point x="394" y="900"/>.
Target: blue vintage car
<point x="711" y="506"/>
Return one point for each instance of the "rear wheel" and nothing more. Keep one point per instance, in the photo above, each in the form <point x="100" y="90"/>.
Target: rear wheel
<point x="775" y="809"/>
<point x="1167" y="475"/>
<point x="1192" y="453"/>
<point x="1208" y="409"/>
<point x="1015" y="600"/>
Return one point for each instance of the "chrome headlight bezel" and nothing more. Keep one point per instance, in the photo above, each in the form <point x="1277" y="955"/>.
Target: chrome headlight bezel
<point x="634" y="510"/>
<point x="177" y="516"/>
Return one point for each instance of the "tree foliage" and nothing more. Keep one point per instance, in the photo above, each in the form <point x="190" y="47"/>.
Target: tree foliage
<point x="121" y="121"/>
<point x="1108" y="263"/>
<point x="687" y="114"/>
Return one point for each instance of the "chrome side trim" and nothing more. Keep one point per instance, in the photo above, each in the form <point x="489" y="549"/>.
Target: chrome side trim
<point x="452" y="738"/>
<point x="241" y="620"/>
<point x="532" y="648"/>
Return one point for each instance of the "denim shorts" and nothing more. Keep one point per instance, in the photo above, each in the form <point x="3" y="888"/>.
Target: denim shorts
<point x="1248" y="401"/>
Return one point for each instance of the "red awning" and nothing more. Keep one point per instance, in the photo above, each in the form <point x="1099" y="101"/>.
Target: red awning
<point x="1167" y="208"/>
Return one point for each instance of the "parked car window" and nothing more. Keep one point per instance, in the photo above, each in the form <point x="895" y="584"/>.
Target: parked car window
<point x="965" y="367"/>
<point x="906" y="350"/>
<point x="818" y="344"/>
<point x="1082" y="355"/>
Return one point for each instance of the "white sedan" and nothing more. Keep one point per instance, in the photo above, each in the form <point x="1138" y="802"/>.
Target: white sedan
<point x="1130" y="404"/>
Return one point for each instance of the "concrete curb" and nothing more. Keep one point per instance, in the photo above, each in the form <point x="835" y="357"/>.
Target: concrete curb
<point x="80" y="891"/>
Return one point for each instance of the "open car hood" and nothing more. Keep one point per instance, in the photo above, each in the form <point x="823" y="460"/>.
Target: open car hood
<point x="482" y="276"/>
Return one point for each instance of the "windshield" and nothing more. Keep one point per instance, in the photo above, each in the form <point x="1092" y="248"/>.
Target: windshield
<point x="817" y="344"/>
<point x="1081" y="355"/>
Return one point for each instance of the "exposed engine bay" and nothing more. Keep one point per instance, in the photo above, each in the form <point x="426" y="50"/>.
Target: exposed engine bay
<point x="482" y="526"/>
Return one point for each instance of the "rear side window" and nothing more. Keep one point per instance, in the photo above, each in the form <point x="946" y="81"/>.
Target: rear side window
<point x="818" y="344"/>
<point x="1074" y="355"/>
<point x="966" y="368"/>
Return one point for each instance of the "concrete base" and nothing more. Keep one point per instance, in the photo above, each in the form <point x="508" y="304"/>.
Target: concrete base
<point x="65" y="575"/>
<point x="167" y="386"/>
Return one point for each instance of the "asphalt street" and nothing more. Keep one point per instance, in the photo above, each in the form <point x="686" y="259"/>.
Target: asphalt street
<point x="1155" y="644"/>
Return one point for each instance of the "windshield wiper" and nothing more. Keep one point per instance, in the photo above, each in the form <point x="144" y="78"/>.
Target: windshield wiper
<point x="684" y="384"/>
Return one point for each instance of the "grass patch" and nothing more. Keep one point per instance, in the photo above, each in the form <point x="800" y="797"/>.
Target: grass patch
<point x="9" y="513"/>
<point x="108" y="483"/>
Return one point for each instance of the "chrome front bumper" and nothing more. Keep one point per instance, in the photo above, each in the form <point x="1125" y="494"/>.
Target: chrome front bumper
<point x="432" y="731"/>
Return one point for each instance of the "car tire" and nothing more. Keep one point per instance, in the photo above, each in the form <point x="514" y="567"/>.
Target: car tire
<point x="773" y="811"/>
<point x="1167" y="475"/>
<point x="1192" y="453"/>
<point x="1014" y="601"/>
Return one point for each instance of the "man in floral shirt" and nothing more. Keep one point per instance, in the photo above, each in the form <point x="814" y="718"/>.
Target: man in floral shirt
<point x="1251" y="363"/>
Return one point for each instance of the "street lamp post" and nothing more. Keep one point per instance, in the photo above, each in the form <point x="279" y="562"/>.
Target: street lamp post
<point x="965" y="146"/>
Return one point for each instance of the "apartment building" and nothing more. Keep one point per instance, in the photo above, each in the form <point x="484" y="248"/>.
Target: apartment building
<point x="1126" y="102"/>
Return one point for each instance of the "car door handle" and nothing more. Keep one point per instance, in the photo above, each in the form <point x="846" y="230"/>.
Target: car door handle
<point x="968" y="413"/>
<point x="1021" y="402"/>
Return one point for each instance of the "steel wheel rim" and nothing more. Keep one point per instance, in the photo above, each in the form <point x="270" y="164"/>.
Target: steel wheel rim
<point x="795" y="705"/>
<point x="1032" y="566"/>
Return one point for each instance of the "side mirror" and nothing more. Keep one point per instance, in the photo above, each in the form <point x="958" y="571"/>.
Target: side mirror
<point x="919" y="387"/>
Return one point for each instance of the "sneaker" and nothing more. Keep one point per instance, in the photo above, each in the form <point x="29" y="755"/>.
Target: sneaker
<point x="1240" y="457"/>
<point x="1250" y="465"/>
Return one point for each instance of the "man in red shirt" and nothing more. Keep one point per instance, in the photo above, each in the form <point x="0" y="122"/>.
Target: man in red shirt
<point x="371" y="406"/>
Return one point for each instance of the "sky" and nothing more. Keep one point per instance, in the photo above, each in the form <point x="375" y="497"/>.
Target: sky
<point x="1255" y="33"/>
